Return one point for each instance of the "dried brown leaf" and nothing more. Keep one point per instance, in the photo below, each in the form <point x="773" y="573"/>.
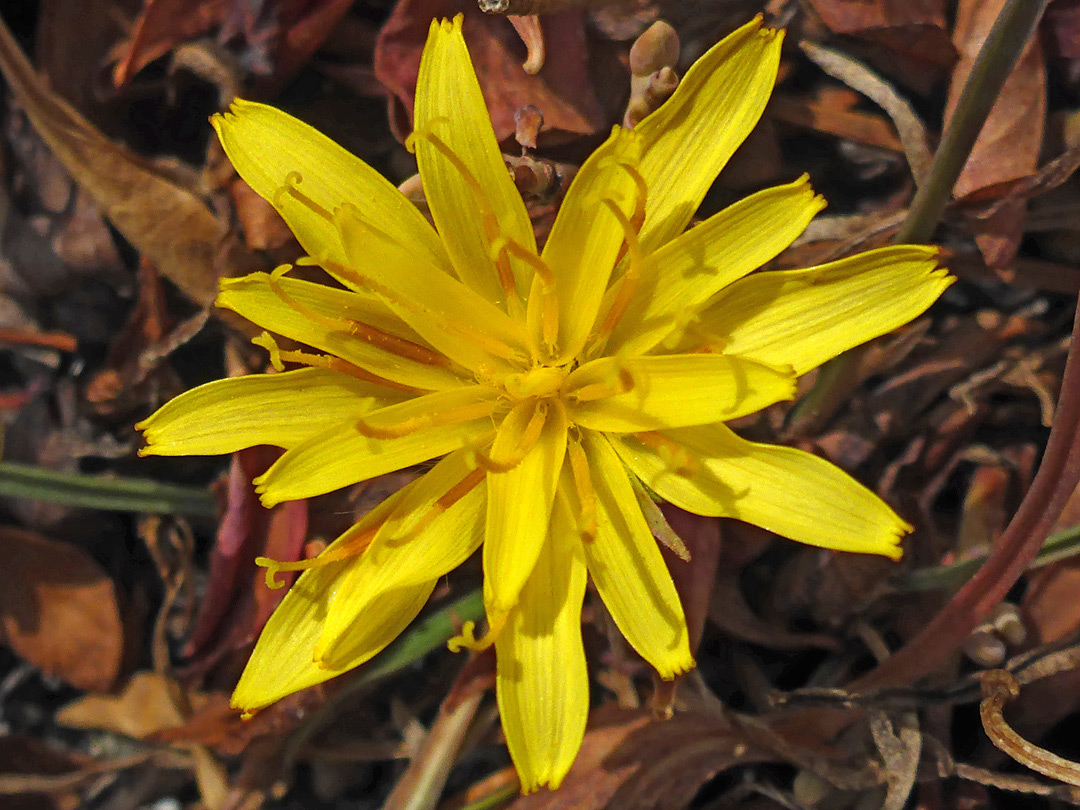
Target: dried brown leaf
<point x="906" y="39"/>
<point x="165" y="221"/>
<point x="58" y="610"/>
<point x="1008" y="145"/>
<point x="561" y="91"/>
<point x="633" y="762"/>
<point x="592" y="781"/>
<point x="834" y="114"/>
<point x="73" y="56"/>
<point x="160" y="27"/>
<point x="144" y="708"/>
<point x="853" y="16"/>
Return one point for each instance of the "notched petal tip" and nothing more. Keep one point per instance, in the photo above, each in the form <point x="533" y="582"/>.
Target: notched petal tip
<point x="675" y="668"/>
<point x="266" y="498"/>
<point x="247" y="700"/>
<point x="441" y="26"/>
<point x="757" y="27"/>
<point x="771" y="35"/>
<point x="891" y="547"/>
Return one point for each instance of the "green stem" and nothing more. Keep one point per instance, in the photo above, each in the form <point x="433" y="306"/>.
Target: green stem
<point x="1058" y="546"/>
<point x="97" y="492"/>
<point x="998" y="55"/>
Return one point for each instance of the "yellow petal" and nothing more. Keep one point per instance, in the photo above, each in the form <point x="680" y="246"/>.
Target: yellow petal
<point x="541" y="683"/>
<point x="438" y="524"/>
<point x="692" y="135"/>
<point x="686" y="272"/>
<point x="283" y="661"/>
<point x="654" y="392"/>
<point x="520" y="499"/>
<point x="586" y="238"/>
<point x="273" y="151"/>
<point x="451" y="317"/>
<point x="711" y="471"/>
<point x="385" y="440"/>
<point x="628" y="570"/>
<point x="808" y="316"/>
<point x="471" y="194"/>
<point x="338" y="315"/>
<point x="278" y="409"/>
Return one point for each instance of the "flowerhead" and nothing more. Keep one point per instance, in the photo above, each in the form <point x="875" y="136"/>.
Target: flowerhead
<point x="554" y="389"/>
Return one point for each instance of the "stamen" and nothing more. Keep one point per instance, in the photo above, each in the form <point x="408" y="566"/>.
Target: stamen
<point x="637" y="219"/>
<point x="628" y="283"/>
<point x="529" y="437"/>
<point x="586" y="492"/>
<point x="623" y="383"/>
<point x="491" y="345"/>
<point x="345" y="548"/>
<point x="486" y="375"/>
<point x="451" y="416"/>
<point x="266" y="341"/>
<point x="549" y="310"/>
<point x="325" y="361"/>
<point x="291" y="188"/>
<point x="489" y="220"/>
<point x="641" y="194"/>
<point x="441" y="504"/>
<point x="467" y="640"/>
<point x="501" y="258"/>
<point x="678" y="459"/>
<point x="369" y="334"/>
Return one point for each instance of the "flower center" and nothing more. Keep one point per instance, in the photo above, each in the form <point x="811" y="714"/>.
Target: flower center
<point x="542" y="381"/>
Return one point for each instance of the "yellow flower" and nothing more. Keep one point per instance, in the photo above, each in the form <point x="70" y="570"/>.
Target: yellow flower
<point x="550" y="384"/>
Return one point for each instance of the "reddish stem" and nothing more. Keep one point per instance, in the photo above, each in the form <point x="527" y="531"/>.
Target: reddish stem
<point x="1055" y="481"/>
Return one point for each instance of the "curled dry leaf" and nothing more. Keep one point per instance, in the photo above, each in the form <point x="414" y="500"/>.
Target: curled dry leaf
<point x="166" y="222"/>
<point x="144" y="708"/>
<point x="58" y="610"/>
<point x="653" y="58"/>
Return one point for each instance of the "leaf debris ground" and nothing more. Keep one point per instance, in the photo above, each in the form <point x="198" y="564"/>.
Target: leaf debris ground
<point x="123" y="632"/>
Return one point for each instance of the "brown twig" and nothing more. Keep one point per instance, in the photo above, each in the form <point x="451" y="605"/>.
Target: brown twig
<point x="49" y="340"/>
